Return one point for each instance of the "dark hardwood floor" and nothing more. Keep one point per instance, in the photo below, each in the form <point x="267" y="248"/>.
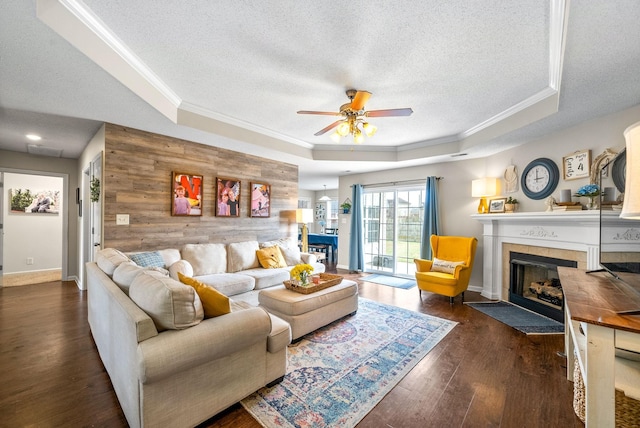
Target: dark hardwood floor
<point x="482" y="374"/>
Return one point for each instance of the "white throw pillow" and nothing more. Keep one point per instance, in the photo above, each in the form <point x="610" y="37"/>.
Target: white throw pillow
<point x="444" y="266"/>
<point x="206" y="259"/>
<point x="108" y="260"/>
<point x="171" y="304"/>
<point x="182" y="266"/>
<point x="282" y="243"/>
<point x="291" y="255"/>
<point x="242" y="256"/>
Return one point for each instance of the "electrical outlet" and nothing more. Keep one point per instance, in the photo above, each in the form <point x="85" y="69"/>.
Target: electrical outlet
<point x="122" y="219"/>
<point x="29" y="260"/>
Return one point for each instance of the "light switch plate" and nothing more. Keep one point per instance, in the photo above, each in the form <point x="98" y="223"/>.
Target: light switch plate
<point x="122" y="219"/>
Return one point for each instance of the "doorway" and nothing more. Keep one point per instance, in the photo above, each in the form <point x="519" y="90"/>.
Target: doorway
<point x="33" y="222"/>
<point x="393" y="229"/>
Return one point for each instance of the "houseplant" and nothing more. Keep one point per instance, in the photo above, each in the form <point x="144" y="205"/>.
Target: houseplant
<point x="510" y="205"/>
<point x="346" y="206"/>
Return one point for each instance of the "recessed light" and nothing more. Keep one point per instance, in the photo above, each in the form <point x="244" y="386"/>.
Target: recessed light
<point x="34" y="137"/>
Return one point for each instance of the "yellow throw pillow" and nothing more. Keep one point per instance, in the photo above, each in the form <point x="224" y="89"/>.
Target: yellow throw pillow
<point x="271" y="257"/>
<point x="214" y="302"/>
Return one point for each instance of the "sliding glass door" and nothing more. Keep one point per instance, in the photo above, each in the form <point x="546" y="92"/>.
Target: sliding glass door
<point x="392" y="229"/>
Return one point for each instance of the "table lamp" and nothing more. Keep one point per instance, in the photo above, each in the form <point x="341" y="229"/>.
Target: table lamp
<point x="631" y="202"/>
<point x="482" y="188"/>
<point x="304" y="216"/>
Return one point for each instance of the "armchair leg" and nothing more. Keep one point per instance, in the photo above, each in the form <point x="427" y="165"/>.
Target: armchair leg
<point x="462" y="297"/>
<point x="451" y="301"/>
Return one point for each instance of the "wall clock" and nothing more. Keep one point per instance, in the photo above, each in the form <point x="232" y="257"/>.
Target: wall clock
<point x="540" y="178"/>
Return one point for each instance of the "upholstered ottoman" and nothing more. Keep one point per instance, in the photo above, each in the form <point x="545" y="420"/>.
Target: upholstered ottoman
<point x="308" y="312"/>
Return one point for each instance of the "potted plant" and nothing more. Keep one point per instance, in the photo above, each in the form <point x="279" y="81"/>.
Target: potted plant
<point x="510" y="205"/>
<point x="346" y="206"/>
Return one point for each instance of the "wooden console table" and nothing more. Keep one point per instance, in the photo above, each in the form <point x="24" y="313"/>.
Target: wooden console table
<point x="591" y="303"/>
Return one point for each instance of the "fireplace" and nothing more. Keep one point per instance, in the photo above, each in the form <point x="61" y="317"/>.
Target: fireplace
<point x="534" y="283"/>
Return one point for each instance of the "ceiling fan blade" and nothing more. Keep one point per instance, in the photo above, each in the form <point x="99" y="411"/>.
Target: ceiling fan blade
<point x="360" y="100"/>
<point x="389" y="112"/>
<point x="329" y="128"/>
<point x="326" y="113"/>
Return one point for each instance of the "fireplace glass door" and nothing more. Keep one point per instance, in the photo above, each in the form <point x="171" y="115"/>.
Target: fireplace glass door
<point x="534" y="284"/>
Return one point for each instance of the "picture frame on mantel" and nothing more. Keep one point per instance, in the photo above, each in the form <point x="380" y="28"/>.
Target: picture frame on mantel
<point x="186" y="194"/>
<point x="497" y="205"/>
<point x="577" y="165"/>
<point x="260" y="199"/>
<point x="228" y="197"/>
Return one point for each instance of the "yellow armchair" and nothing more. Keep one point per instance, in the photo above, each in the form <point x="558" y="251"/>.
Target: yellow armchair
<point x="450" y="274"/>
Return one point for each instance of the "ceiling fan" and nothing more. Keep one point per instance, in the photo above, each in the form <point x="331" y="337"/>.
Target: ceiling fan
<point x="354" y="117"/>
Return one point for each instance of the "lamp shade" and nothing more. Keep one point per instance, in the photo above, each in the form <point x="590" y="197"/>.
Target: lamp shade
<point x="631" y="203"/>
<point x="484" y="187"/>
<point x="304" y="215"/>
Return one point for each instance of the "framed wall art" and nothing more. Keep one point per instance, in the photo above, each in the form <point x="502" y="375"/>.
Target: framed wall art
<point x="227" y="197"/>
<point x="497" y="205"/>
<point x="577" y="165"/>
<point x="186" y="194"/>
<point x="260" y="199"/>
<point x="28" y="201"/>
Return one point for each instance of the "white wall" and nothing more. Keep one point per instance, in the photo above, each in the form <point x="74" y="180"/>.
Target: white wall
<point x="456" y="203"/>
<point x="37" y="236"/>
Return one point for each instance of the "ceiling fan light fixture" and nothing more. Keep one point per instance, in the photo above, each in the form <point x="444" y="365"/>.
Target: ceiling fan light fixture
<point x="369" y="129"/>
<point x="358" y="136"/>
<point x="353" y="117"/>
<point x="343" y="129"/>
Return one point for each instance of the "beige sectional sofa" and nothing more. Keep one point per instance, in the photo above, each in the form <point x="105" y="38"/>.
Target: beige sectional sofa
<point x="169" y="365"/>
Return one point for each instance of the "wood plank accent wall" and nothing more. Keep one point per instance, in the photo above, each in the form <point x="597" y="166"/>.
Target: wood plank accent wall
<point x="137" y="176"/>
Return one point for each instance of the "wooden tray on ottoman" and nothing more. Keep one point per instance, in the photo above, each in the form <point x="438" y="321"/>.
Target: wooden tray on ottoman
<point x="326" y="280"/>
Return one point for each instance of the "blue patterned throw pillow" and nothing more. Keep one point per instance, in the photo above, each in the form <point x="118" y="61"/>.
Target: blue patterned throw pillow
<point x="150" y="259"/>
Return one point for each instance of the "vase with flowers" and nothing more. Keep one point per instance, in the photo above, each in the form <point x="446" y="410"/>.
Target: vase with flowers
<point x="302" y="274"/>
<point x="590" y="191"/>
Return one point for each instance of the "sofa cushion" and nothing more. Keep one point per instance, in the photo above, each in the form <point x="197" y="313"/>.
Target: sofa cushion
<point x="181" y="266"/>
<point x="170" y="256"/>
<point x="108" y="260"/>
<point x="271" y="257"/>
<point x="214" y="302"/>
<point x="229" y="284"/>
<point x="206" y="259"/>
<point x="169" y="303"/>
<point x="282" y="242"/>
<point x="242" y="255"/>
<point x="444" y="266"/>
<point x="267" y="277"/>
<point x="126" y="272"/>
<point x="147" y="259"/>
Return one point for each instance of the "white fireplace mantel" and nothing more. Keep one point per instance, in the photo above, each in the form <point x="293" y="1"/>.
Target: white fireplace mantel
<point x="567" y="230"/>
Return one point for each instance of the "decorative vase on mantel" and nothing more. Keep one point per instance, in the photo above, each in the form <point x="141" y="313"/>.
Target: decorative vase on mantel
<point x="591" y="191"/>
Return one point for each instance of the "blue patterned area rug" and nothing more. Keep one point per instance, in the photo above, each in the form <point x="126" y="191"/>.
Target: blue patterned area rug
<point x="337" y="374"/>
<point x="521" y="319"/>
<point x="391" y="281"/>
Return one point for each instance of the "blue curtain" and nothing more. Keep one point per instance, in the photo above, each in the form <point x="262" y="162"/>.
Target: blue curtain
<point x="431" y="219"/>
<point x="356" y="244"/>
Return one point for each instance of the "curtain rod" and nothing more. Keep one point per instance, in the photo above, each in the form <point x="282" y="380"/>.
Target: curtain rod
<point x="393" y="183"/>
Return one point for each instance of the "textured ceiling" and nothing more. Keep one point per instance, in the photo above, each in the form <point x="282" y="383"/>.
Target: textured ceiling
<point x="480" y="76"/>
